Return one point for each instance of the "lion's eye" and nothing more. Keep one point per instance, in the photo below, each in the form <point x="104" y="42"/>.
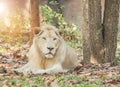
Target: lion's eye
<point x="54" y="38"/>
<point x="43" y="38"/>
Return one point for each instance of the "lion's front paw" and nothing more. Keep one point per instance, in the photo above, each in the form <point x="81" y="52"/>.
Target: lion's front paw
<point x="23" y="71"/>
<point x="27" y="72"/>
<point x="17" y="70"/>
<point x="39" y="72"/>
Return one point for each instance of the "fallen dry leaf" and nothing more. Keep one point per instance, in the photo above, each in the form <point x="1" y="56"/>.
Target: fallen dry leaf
<point x="85" y="74"/>
<point x="106" y="75"/>
<point x="112" y="81"/>
<point x="49" y="80"/>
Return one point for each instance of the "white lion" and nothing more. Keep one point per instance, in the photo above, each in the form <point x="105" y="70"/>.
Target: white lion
<point x="49" y="53"/>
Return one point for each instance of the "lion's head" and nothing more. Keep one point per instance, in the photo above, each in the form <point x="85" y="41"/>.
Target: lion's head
<point x="48" y="40"/>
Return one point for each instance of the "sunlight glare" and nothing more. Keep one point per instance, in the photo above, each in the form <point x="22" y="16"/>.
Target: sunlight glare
<point x="2" y="7"/>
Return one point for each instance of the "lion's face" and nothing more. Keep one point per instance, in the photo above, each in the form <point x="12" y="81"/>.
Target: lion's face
<point x="48" y="41"/>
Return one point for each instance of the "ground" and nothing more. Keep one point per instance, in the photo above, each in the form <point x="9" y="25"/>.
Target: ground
<point x="13" y="55"/>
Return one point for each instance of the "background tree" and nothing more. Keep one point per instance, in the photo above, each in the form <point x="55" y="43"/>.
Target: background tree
<point x="34" y="17"/>
<point x="92" y="33"/>
<point x="85" y="32"/>
<point x="95" y="29"/>
<point x="98" y="40"/>
<point x="110" y="24"/>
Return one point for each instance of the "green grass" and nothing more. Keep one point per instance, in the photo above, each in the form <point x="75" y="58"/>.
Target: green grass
<point x="40" y="81"/>
<point x="22" y="80"/>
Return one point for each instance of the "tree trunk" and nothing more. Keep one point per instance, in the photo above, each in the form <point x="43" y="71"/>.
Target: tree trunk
<point x="85" y="32"/>
<point x="99" y="42"/>
<point x="34" y="12"/>
<point x="95" y="29"/>
<point x="92" y="31"/>
<point x="110" y="24"/>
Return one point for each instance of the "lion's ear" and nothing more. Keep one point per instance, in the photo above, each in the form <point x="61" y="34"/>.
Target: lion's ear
<point x="36" y="30"/>
<point x="61" y="32"/>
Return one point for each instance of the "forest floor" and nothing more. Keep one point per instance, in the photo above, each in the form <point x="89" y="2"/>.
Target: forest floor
<point x="13" y="55"/>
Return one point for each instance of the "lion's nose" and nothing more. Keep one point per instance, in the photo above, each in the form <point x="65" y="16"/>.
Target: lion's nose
<point x="50" y="48"/>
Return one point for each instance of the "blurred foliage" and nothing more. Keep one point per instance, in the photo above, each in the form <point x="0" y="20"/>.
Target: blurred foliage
<point x="18" y="23"/>
<point x="15" y="27"/>
<point x="15" y="23"/>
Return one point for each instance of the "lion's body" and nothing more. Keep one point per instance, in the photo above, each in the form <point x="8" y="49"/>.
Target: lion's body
<point x="49" y="53"/>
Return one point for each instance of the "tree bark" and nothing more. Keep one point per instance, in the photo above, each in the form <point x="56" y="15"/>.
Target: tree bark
<point x="34" y="18"/>
<point x="92" y="32"/>
<point x="95" y="29"/>
<point x="110" y="24"/>
<point x="85" y="32"/>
